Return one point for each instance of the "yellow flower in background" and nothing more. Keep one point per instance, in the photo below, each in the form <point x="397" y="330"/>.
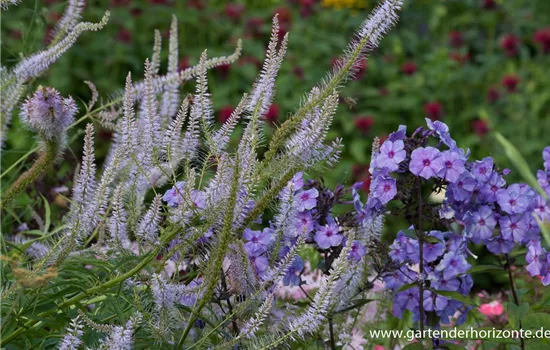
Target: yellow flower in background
<point x="357" y="4"/>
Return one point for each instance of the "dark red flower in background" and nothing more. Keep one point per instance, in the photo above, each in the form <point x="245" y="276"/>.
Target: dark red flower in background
<point x="510" y="82"/>
<point x="489" y="4"/>
<point x="272" y="114"/>
<point x="184" y="63"/>
<point x="493" y="95"/>
<point x="234" y="11"/>
<point x="542" y="38"/>
<point x="197" y="4"/>
<point x="253" y="27"/>
<point x="360" y="69"/>
<point x="364" y="123"/>
<point x="225" y="113"/>
<point x="510" y="44"/>
<point x="136" y="12"/>
<point x="455" y="39"/>
<point x="298" y="72"/>
<point x="408" y="68"/>
<point x="480" y="127"/>
<point x="306" y="8"/>
<point x="223" y="70"/>
<point x="124" y="36"/>
<point x="459" y="57"/>
<point x="433" y="110"/>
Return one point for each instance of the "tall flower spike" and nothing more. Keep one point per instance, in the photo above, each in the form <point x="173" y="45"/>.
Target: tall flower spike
<point x="85" y="187"/>
<point x="157" y="46"/>
<point x="72" y="339"/>
<point x="148" y="227"/>
<point x="36" y="64"/>
<point x="264" y="88"/>
<point x="173" y="142"/>
<point x="170" y="97"/>
<point x="71" y="16"/>
<point x="117" y="222"/>
<point x="202" y="106"/>
<point x="221" y="138"/>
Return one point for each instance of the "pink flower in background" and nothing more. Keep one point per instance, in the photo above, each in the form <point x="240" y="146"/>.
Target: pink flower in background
<point x="492" y="309"/>
<point x="124" y="36"/>
<point x="489" y="4"/>
<point x="480" y="127"/>
<point x="184" y="63"/>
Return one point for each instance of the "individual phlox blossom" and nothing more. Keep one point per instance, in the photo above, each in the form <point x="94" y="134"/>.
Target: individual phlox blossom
<point x="297" y="181"/>
<point x="404" y="248"/>
<point x="483" y="169"/>
<point x="463" y="188"/>
<point x="328" y="235"/>
<point x="452" y="265"/>
<point x="453" y="166"/>
<point x="438" y="282"/>
<point x="514" y="200"/>
<point x="391" y="154"/>
<point x="400" y="134"/>
<point x="426" y="162"/>
<point x="434" y="302"/>
<point x="513" y="227"/>
<point x="385" y="189"/>
<point x="542" y="209"/>
<point x="432" y="251"/>
<point x="292" y="276"/>
<point x="198" y="199"/>
<point x="480" y="224"/>
<point x="406" y="300"/>
<point x="306" y="200"/>
<point x="500" y="245"/>
<point x="357" y="251"/>
<point x="48" y="113"/>
<point x="174" y="196"/>
<point x="304" y="222"/>
<point x="257" y="241"/>
<point x="260" y="263"/>
<point x="536" y="259"/>
<point x="491" y="189"/>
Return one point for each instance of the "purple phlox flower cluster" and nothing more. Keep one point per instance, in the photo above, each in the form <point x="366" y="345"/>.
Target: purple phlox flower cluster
<point x="445" y="266"/>
<point x="48" y="113"/>
<point x="357" y="251"/>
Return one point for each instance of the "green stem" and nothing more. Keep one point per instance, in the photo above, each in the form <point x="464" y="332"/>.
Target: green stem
<point x="46" y="159"/>
<point x="27" y="326"/>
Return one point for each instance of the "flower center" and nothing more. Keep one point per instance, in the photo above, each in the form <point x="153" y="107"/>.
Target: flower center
<point x="387" y="188"/>
<point x="304" y="197"/>
<point x="482" y="222"/>
<point x="427" y="162"/>
<point x="255" y="239"/>
<point x="449" y="164"/>
<point x="391" y="154"/>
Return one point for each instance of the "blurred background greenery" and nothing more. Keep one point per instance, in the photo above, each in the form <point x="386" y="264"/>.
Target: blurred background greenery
<point x="478" y="65"/>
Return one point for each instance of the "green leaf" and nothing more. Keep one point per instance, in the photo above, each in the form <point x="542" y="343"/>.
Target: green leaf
<point x="516" y="313"/>
<point x="536" y="320"/>
<point x="483" y="268"/>
<point x="407" y="286"/>
<point x="455" y="296"/>
<point x="519" y="162"/>
<point x="543" y="229"/>
<point x="47" y="215"/>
